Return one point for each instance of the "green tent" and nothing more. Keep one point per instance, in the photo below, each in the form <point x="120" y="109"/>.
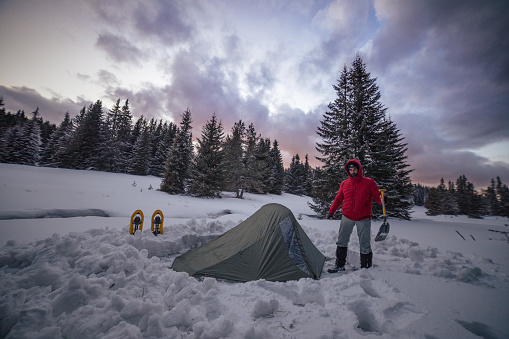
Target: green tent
<point x="269" y="245"/>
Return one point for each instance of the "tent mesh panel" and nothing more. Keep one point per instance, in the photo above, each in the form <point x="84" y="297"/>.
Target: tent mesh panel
<point x="292" y="244"/>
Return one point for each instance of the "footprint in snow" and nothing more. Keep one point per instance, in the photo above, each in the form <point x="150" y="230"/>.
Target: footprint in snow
<point x="400" y="315"/>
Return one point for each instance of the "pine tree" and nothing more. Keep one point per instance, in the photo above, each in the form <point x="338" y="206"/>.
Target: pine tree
<point x="57" y="142"/>
<point x="433" y="203"/>
<point x="251" y="175"/>
<point x="476" y="209"/>
<point x="208" y="167"/>
<point x="156" y="137"/>
<point x="176" y="175"/>
<point x="86" y="139"/>
<point x="462" y="195"/>
<point x="500" y="197"/>
<point x="277" y="171"/>
<point x="420" y="194"/>
<point x="234" y="159"/>
<point x="450" y="203"/>
<point x="140" y="157"/>
<point x="491" y="195"/>
<point x="503" y="193"/>
<point x="262" y="165"/>
<point x="31" y="141"/>
<point x="67" y="145"/>
<point x="117" y="144"/>
<point x="356" y="126"/>
<point x="295" y="177"/>
<point x="308" y="178"/>
<point x="12" y="146"/>
<point x="163" y="148"/>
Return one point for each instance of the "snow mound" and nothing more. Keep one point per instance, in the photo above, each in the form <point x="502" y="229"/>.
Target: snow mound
<point x="107" y="283"/>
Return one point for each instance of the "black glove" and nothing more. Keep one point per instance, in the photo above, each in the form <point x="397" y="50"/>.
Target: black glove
<point x="330" y="215"/>
<point x="386" y="200"/>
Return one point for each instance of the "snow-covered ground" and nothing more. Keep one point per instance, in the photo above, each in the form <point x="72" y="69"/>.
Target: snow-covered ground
<point x="68" y="271"/>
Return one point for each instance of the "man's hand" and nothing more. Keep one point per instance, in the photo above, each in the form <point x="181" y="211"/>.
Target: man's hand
<point x="330" y="216"/>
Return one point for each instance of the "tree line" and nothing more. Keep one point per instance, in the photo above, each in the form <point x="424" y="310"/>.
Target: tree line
<point x="461" y="198"/>
<point x="241" y="161"/>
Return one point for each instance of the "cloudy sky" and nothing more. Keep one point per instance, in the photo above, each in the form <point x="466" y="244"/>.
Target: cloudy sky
<point x="442" y="68"/>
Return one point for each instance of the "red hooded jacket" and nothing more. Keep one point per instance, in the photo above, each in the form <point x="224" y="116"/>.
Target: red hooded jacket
<point x="356" y="195"/>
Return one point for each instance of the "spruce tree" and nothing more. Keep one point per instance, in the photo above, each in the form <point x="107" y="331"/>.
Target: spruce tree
<point x="491" y="195"/>
<point x="476" y="208"/>
<point x="68" y="145"/>
<point x="208" y="168"/>
<point x="31" y="141"/>
<point x="118" y="145"/>
<point x="295" y="177"/>
<point x="462" y="195"/>
<point x="277" y="171"/>
<point x="57" y="142"/>
<point x="176" y="175"/>
<point x="163" y="148"/>
<point x="434" y="202"/>
<point x="123" y="138"/>
<point x="500" y="197"/>
<point x="156" y="137"/>
<point x="234" y="159"/>
<point x="503" y="193"/>
<point x="139" y="161"/>
<point x="450" y="203"/>
<point x="262" y="165"/>
<point x="12" y="146"/>
<point x="420" y="194"/>
<point x="87" y="138"/>
<point x="308" y="178"/>
<point x="251" y="175"/>
<point x="356" y="126"/>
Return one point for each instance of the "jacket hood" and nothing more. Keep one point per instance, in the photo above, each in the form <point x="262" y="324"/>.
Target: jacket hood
<point x="358" y="164"/>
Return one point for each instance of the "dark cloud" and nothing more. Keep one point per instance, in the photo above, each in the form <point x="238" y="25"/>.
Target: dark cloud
<point x="119" y="48"/>
<point x="27" y="99"/>
<point x="444" y="65"/>
<point x="458" y="51"/>
<point x="432" y="156"/>
<point x="162" y="19"/>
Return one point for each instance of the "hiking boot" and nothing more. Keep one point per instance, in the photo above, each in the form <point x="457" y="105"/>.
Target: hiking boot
<point x="336" y="269"/>
<point x="366" y="260"/>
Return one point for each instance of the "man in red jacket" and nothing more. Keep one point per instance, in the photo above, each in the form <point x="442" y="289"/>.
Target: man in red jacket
<point x="356" y="194"/>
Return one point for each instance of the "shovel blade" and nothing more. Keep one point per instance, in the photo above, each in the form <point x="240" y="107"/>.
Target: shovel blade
<point x="383" y="232"/>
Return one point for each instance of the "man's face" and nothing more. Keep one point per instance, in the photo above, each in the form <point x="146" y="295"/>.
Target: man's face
<point x="353" y="171"/>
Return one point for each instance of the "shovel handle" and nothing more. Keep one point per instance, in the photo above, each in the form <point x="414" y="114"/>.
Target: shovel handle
<point x="382" y="191"/>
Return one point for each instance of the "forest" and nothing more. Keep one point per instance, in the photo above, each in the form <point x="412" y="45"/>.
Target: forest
<point x="461" y="198"/>
<point x="109" y="141"/>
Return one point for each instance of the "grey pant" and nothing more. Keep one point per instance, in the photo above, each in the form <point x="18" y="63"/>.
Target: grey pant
<point x="363" y="231"/>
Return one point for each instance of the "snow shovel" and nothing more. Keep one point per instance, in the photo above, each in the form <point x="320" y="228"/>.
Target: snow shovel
<point x="383" y="232"/>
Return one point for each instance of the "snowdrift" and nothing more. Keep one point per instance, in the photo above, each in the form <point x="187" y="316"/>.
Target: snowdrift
<point x="87" y="277"/>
